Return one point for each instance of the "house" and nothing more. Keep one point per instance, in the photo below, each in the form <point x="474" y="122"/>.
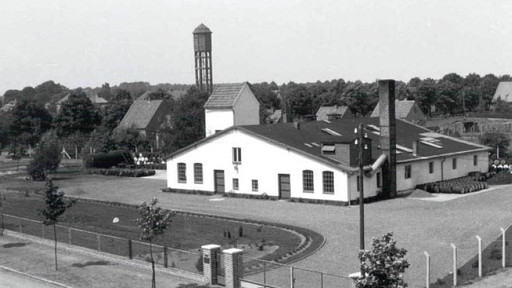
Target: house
<point x="318" y="160"/>
<point x="9" y="106"/>
<point x="503" y="92"/>
<point x="333" y="112"/>
<point x="95" y="99"/>
<point x="230" y="105"/>
<point x="404" y="109"/>
<point x="147" y="116"/>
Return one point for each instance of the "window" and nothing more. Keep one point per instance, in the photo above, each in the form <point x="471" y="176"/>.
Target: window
<point x="198" y="173"/>
<point x="430" y="167"/>
<point x="475" y="160"/>
<point x="235" y="183"/>
<point x="379" y="182"/>
<point x="407" y="171"/>
<point x="182" y="173"/>
<point x="358" y="184"/>
<point x="255" y="185"/>
<point x="454" y="163"/>
<point x="237" y="155"/>
<point x="328" y="179"/>
<point x="307" y="181"/>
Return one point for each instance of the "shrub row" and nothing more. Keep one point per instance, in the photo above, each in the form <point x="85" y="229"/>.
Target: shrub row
<point x="263" y="196"/>
<point x="500" y="178"/>
<point x="183" y="191"/>
<point x="107" y="160"/>
<point x="147" y="166"/>
<point x="122" y="172"/>
<point x="459" y="185"/>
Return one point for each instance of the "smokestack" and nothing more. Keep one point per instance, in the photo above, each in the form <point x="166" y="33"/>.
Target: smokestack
<point x="415" y="146"/>
<point x="387" y="123"/>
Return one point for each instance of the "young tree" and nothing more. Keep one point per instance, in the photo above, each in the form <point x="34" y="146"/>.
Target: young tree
<point x="55" y="206"/>
<point x="152" y="222"/>
<point x="384" y="265"/>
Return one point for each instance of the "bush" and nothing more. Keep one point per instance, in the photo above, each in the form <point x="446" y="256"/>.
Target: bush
<point x="107" y="160"/>
<point x="123" y="172"/>
<point x="46" y="158"/>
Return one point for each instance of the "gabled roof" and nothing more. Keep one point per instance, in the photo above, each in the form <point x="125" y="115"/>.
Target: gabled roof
<point x="140" y="114"/>
<point x="402" y="108"/>
<point x="503" y="92"/>
<point x="324" y="111"/>
<point x="224" y="95"/>
<point x="308" y="139"/>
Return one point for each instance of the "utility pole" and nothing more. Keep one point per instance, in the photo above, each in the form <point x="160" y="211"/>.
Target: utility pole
<point x="361" y="190"/>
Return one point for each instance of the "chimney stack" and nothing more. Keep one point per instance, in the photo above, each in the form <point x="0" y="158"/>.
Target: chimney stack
<point x="415" y="147"/>
<point x="387" y="123"/>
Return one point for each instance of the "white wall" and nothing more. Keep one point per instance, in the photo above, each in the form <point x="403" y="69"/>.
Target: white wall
<point x="247" y="108"/>
<point x="218" y="119"/>
<point x="261" y="161"/>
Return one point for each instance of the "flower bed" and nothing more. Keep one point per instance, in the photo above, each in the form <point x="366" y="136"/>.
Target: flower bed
<point x="122" y="172"/>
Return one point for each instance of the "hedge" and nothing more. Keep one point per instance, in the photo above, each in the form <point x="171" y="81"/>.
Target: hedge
<point x="107" y="160"/>
<point x="122" y="172"/>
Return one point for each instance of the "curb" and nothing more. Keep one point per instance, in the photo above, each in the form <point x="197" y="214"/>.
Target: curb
<point x="34" y="277"/>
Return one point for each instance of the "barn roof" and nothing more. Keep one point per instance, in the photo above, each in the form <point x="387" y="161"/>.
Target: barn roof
<point x="402" y="108"/>
<point x="140" y="114"/>
<point x="503" y="92"/>
<point x="224" y="95"/>
<point x="308" y="138"/>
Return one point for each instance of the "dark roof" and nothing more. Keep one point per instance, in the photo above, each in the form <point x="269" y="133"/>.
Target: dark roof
<point x="503" y="92"/>
<point x="324" y="111"/>
<point x="307" y="140"/>
<point x="140" y="114"/>
<point x="202" y="29"/>
<point x="402" y="108"/>
<point x="224" y="95"/>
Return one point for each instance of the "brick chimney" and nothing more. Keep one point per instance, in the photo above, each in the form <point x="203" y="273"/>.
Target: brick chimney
<point x="387" y="123"/>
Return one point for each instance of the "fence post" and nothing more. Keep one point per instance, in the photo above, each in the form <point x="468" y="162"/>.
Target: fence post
<point x="427" y="284"/>
<point x="503" y="248"/>
<point x="42" y="229"/>
<point x="19" y="225"/>
<point x="165" y="257"/>
<point x="479" y="256"/>
<point x="321" y="279"/>
<point x="99" y="241"/>
<point x="130" y="253"/>
<point x="454" y="264"/>
<point x="233" y="263"/>
<point x="264" y="273"/>
<point x="292" y="278"/>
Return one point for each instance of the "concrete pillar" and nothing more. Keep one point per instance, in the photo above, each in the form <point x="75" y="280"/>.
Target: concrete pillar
<point x="233" y="264"/>
<point x="211" y="258"/>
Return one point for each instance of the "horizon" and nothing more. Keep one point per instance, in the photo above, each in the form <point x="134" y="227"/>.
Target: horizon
<point x="87" y="45"/>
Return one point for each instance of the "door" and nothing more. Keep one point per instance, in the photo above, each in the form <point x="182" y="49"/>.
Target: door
<point x="218" y="175"/>
<point x="284" y="186"/>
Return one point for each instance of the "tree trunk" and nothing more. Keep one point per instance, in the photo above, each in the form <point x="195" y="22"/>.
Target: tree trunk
<point x="55" y="239"/>
<point x="153" y="280"/>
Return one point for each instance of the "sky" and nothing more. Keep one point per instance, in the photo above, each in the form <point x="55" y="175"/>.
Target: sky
<point x="88" y="43"/>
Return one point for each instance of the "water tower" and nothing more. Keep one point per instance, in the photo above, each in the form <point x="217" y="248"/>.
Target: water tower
<point x="203" y="57"/>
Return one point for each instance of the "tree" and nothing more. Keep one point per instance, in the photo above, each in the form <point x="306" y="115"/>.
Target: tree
<point x="448" y="97"/>
<point x="30" y="121"/>
<point x="77" y="114"/>
<point x="5" y="123"/>
<point x="55" y="206"/>
<point x="425" y="94"/>
<point x="384" y="265"/>
<point x="496" y="141"/>
<point x="116" y="109"/>
<point x="160" y="94"/>
<point x="358" y="98"/>
<point x="47" y="157"/>
<point x="152" y="221"/>
<point x="299" y="99"/>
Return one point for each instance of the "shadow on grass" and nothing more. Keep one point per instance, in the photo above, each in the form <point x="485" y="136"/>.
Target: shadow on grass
<point x="13" y="245"/>
<point x="90" y="263"/>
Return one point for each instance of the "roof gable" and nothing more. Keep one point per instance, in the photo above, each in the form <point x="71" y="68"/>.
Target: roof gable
<point x="403" y="109"/>
<point x="224" y="96"/>
<point x="140" y="114"/>
<point x="324" y="111"/>
<point x="503" y="92"/>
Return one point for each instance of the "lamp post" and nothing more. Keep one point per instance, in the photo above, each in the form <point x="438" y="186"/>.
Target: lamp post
<point x="361" y="187"/>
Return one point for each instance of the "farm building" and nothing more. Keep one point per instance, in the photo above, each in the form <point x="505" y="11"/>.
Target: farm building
<point x="404" y="109"/>
<point x="333" y="112"/>
<point x="319" y="159"/>
<point x="147" y="117"/>
<point x="230" y="105"/>
<point x="503" y="92"/>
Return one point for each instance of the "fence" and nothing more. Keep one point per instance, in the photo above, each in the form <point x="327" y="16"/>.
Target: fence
<point x="163" y="256"/>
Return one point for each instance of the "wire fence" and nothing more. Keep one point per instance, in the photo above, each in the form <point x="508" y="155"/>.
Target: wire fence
<point x="132" y="249"/>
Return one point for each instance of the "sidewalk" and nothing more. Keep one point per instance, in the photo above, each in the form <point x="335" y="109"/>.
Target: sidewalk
<point x="76" y="269"/>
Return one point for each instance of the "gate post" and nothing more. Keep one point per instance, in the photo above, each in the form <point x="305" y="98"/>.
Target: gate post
<point x="211" y="259"/>
<point x="233" y="263"/>
<point x="479" y="240"/>
<point x="503" y="248"/>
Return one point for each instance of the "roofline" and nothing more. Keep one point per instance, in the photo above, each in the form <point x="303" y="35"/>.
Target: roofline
<point x="339" y="166"/>
<point x="444" y="155"/>
<point x="234" y="102"/>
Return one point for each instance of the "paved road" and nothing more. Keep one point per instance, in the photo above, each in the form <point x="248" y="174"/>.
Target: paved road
<point x="9" y="279"/>
<point x="418" y="225"/>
